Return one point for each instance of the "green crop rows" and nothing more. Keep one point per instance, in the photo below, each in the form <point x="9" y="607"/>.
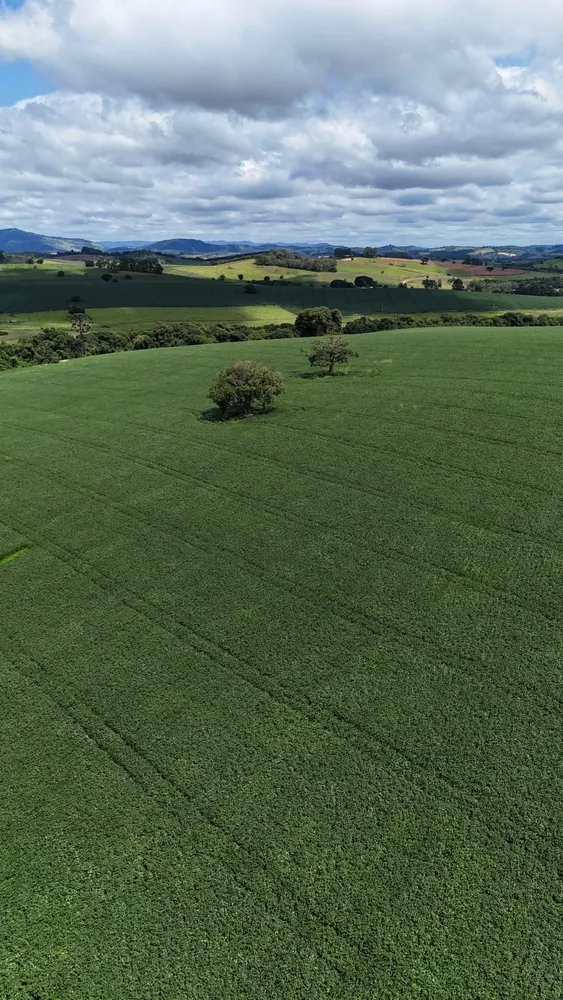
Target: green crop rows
<point x="34" y="291"/>
<point x="279" y="697"/>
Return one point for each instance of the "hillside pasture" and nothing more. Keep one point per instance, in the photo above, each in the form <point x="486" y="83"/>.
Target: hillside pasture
<point x="23" y="291"/>
<point x="280" y="696"/>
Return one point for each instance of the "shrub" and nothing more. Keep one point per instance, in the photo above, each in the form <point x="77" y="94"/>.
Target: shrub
<point x="318" y="321"/>
<point x="242" y="385"/>
<point x="364" y="281"/>
<point x="330" y="351"/>
<point x="106" y="276"/>
<point x="341" y="283"/>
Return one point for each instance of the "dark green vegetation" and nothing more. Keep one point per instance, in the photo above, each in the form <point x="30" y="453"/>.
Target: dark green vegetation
<point x="291" y="260"/>
<point x="26" y="290"/>
<point x="548" y="286"/>
<point x="279" y="704"/>
<point x="79" y="339"/>
<point x="243" y="386"/>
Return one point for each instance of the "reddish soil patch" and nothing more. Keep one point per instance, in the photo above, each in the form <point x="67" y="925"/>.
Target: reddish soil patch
<point x="479" y="269"/>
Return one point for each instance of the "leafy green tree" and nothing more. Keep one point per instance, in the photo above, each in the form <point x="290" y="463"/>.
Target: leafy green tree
<point x="340" y="252"/>
<point x="330" y="351"/>
<point x="318" y="321"/>
<point x="222" y="277"/>
<point x="457" y="285"/>
<point x="251" y="289"/>
<point x="241" y="277"/>
<point x="431" y="284"/>
<point x="370" y="252"/>
<point x="364" y="281"/>
<point x="243" y="385"/>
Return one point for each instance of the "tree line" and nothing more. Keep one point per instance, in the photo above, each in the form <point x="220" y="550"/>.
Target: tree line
<point x="82" y="340"/>
<point x="294" y="261"/>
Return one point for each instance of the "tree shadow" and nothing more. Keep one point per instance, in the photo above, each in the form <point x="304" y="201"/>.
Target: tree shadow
<point x="321" y="374"/>
<point x="215" y="416"/>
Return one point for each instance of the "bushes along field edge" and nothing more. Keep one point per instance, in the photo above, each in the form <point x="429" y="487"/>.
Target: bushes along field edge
<point x="53" y="345"/>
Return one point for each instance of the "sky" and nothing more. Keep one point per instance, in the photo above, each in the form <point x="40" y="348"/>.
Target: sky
<point x="363" y="121"/>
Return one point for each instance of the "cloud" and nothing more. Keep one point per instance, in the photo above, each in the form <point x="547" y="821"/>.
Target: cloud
<point x="339" y="119"/>
<point x="268" y="54"/>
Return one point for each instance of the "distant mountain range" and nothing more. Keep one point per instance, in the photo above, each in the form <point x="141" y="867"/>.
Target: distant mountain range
<point x="19" y="241"/>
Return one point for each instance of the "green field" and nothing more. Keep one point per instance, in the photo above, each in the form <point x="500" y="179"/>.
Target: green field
<point x="382" y="270"/>
<point x="280" y="706"/>
<point x="24" y="292"/>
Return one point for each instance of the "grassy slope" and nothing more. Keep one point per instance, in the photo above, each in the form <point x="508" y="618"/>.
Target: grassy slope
<point x="279" y="707"/>
<point x="383" y="270"/>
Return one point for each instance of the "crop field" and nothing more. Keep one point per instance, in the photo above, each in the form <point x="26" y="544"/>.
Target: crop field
<point x="280" y="705"/>
<point x="127" y="318"/>
<point x="23" y="292"/>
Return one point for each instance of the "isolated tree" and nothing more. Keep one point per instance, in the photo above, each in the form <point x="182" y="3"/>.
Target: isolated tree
<point x="106" y="276"/>
<point x="457" y="285"/>
<point x="81" y="323"/>
<point x="341" y="252"/>
<point x="30" y="261"/>
<point x="89" y="263"/>
<point x="222" y="277"/>
<point x="330" y="351"/>
<point x="370" y="252"/>
<point x="431" y="284"/>
<point x="267" y="279"/>
<point x="364" y="281"/>
<point x="424" y="260"/>
<point x="318" y="321"/>
<point x="243" y="385"/>
<point x="39" y="260"/>
<point x="241" y="277"/>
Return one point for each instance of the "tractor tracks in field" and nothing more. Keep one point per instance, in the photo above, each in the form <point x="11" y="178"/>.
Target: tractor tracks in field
<point x="153" y="781"/>
<point x="275" y="511"/>
<point x="350" y="732"/>
<point x="356" y="618"/>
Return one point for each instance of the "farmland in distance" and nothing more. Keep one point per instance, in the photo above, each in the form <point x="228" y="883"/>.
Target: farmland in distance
<point x="280" y="695"/>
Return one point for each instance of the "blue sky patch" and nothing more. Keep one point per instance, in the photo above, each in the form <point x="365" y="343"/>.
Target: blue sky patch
<point x="19" y="80"/>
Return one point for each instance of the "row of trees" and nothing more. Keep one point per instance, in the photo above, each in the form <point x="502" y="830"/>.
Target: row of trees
<point x="341" y="252"/>
<point x="53" y="345"/>
<point x="143" y="265"/>
<point x="294" y="261"/>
